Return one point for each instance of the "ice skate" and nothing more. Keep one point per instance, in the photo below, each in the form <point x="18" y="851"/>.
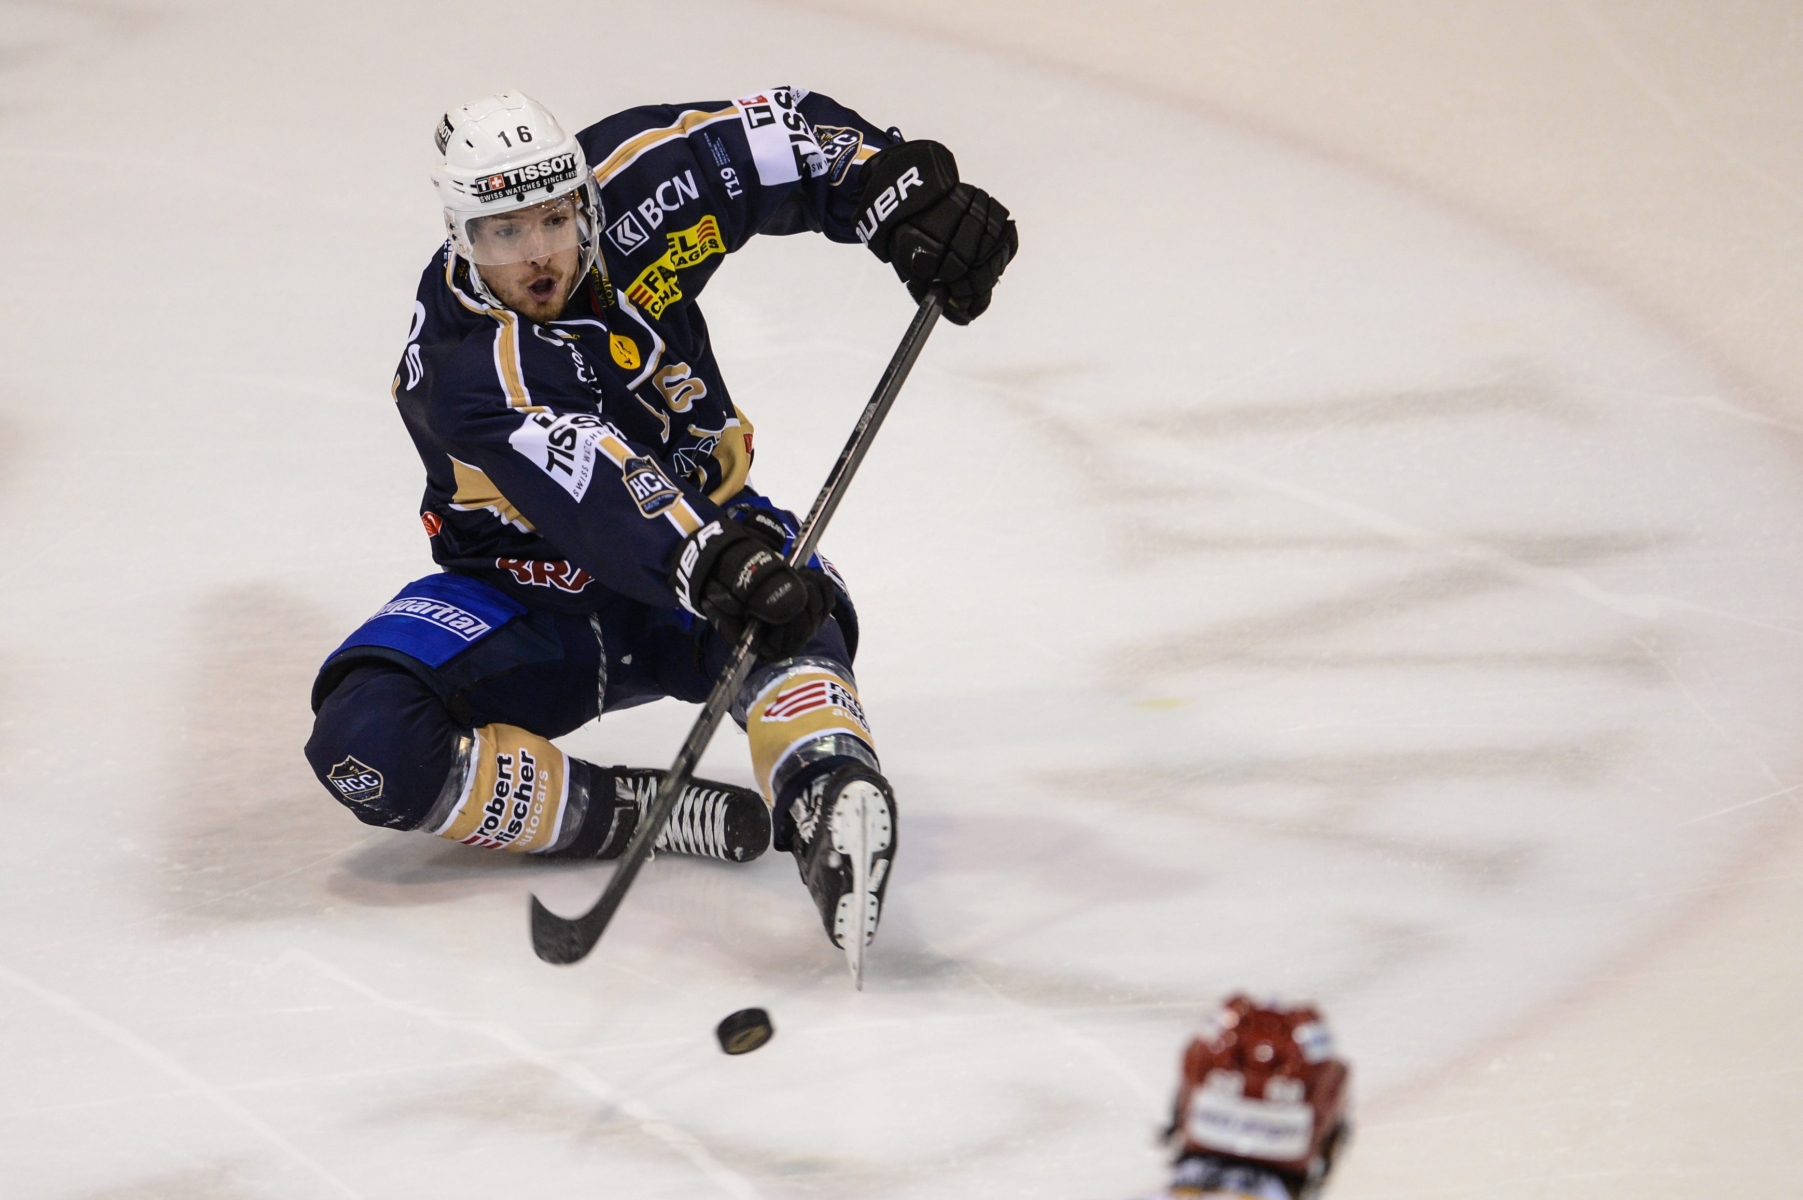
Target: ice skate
<point x="844" y="842"/>
<point x="712" y="820"/>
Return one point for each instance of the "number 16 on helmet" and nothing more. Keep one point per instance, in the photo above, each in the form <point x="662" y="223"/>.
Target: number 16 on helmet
<point x="515" y="187"/>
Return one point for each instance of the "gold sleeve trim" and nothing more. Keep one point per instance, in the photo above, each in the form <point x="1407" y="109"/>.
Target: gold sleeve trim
<point x="633" y="147"/>
<point x="476" y="492"/>
<point x="679" y="513"/>
<point x="507" y="363"/>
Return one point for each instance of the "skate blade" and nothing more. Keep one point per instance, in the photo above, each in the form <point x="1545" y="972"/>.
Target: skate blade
<point x="853" y="837"/>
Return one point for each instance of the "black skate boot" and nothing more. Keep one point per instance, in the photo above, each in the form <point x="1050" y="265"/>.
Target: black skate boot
<point x="844" y="841"/>
<point x="712" y="820"/>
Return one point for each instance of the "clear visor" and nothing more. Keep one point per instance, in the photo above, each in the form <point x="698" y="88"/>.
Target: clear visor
<point x="526" y="234"/>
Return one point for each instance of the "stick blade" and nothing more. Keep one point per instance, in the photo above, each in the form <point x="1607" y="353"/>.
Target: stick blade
<point x="559" y="940"/>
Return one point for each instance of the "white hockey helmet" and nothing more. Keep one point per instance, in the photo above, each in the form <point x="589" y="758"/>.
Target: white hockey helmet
<point x="503" y="154"/>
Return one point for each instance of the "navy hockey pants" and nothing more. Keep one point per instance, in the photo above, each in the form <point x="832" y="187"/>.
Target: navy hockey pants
<point x="451" y="654"/>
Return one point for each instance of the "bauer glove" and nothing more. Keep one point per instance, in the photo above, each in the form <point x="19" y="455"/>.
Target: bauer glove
<point x="936" y="232"/>
<point x="730" y="577"/>
<point x="762" y="523"/>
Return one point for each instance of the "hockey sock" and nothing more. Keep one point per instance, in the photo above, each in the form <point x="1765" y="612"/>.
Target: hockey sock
<point x="513" y="790"/>
<point x="803" y="713"/>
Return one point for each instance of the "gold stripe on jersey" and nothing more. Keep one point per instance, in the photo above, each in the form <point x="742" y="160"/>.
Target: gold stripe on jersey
<point x="476" y="492"/>
<point x="679" y="514"/>
<point x="507" y="362"/>
<point x="629" y="151"/>
<point x="515" y="794"/>
<point x="508" y="372"/>
<point x="796" y="707"/>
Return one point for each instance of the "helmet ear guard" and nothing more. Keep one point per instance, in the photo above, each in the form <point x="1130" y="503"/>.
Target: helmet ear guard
<point x="504" y="153"/>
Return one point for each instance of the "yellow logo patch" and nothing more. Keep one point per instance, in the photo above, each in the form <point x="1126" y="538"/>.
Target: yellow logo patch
<point x="625" y="352"/>
<point x="657" y="286"/>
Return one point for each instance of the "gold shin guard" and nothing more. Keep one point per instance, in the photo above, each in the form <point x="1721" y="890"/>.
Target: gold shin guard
<point x="510" y="790"/>
<point x="801" y="711"/>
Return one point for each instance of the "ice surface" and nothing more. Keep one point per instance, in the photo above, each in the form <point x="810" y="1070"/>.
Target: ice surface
<point x="1285" y="587"/>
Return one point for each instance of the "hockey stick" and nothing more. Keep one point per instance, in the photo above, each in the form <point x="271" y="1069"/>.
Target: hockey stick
<point x="565" y="940"/>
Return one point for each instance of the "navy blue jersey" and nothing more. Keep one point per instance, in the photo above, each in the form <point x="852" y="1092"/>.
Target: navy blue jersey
<point x="576" y="454"/>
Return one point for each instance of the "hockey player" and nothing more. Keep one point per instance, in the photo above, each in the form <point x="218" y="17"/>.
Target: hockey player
<point x="587" y="485"/>
<point x="1261" y="1112"/>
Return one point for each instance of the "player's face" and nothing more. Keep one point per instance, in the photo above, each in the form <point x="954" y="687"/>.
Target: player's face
<point x="529" y="258"/>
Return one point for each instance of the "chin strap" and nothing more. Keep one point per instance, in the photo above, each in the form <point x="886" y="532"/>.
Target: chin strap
<point x="597" y="275"/>
<point x="480" y="286"/>
<point x="600" y="296"/>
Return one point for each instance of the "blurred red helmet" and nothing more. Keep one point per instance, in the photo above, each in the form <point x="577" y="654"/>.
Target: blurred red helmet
<point x="1261" y="1083"/>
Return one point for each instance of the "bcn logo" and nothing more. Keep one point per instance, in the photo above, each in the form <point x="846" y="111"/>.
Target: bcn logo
<point x="680" y="190"/>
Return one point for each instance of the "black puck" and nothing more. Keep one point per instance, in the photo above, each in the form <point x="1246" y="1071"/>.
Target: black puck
<point x="745" y="1030"/>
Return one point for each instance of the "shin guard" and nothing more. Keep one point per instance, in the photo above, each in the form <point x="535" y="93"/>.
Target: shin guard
<point x="798" y="713"/>
<point x="511" y="789"/>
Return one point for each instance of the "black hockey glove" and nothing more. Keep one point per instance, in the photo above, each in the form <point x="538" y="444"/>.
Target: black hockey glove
<point x="761" y="523"/>
<point x="730" y="576"/>
<point x="936" y="232"/>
